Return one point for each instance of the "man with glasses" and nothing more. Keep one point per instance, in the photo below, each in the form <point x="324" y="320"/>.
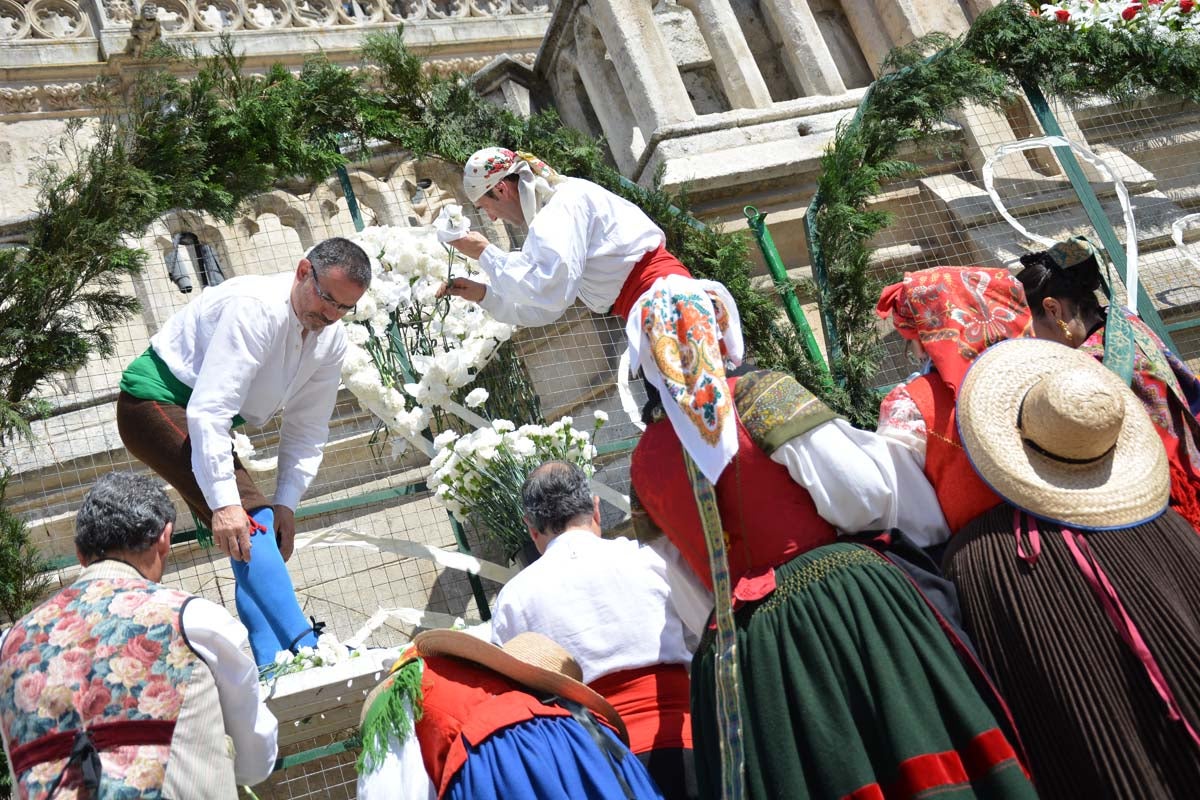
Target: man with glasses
<point x="240" y="352"/>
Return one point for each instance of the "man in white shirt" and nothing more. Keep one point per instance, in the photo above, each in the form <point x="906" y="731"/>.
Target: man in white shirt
<point x="584" y="242"/>
<point x="243" y="351"/>
<point x="606" y="601"/>
<point x="124" y="686"/>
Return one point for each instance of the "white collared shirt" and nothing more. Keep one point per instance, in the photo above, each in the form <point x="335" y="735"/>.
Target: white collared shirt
<point x="606" y="601"/>
<point x="240" y="347"/>
<point x="583" y="244"/>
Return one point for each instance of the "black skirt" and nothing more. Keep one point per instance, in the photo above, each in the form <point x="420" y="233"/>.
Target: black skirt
<point x="1090" y="719"/>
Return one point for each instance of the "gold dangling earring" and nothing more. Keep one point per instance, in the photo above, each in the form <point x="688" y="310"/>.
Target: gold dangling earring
<point x="1066" y="331"/>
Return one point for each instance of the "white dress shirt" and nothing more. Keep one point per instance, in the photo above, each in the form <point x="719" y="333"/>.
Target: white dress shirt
<point x="606" y="601"/>
<point x="240" y="347"/>
<point x="858" y="481"/>
<point x="583" y="244"/>
<point x="222" y="644"/>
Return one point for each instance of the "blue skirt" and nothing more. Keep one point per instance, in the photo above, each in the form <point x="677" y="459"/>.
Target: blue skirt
<point x="548" y="758"/>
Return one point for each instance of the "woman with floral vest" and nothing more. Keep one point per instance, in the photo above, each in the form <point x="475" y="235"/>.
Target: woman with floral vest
<point x="119" y="687"/>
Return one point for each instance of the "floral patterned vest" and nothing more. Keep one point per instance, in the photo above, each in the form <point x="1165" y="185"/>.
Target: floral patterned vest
<point x="104" y="654"/>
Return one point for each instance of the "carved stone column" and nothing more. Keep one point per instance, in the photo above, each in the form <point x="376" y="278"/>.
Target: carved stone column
<point x="806" y="56"/>
<point x="603" y="87"/>
<point x="872" y="37"/>
<point x="649" y="74"/>
<point x="734" y="63"/>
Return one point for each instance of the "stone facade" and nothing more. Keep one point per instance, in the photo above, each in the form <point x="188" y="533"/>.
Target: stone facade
<point x="734" y="99"/>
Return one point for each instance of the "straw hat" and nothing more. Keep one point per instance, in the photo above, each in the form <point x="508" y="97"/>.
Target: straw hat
<point x="531" y="659"/>
<point x="1056" y="434"/>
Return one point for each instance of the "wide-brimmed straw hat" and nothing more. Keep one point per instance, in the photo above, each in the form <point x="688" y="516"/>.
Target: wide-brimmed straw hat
<point x="531" y="659"/>
<point x="1056" y="434"/>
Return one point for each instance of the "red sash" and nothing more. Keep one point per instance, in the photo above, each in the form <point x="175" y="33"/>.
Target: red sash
<point x="655" y="704"/>
<point x="657" y="263"/>
<point x="104" y="735"/>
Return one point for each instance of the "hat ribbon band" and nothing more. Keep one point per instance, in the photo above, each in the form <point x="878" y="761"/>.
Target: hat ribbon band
<point x="1063" y="459"/>
<point x="1043" y="451"/>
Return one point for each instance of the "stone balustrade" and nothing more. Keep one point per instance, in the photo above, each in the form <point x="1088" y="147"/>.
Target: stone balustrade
<point x="43" y="19"/>
<point x="59" y="20"/>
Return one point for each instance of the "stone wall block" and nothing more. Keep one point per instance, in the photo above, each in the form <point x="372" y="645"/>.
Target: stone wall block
<point x="807" y="57"/>
<point x="653" y="85"/>
<point x="734" y="63"/>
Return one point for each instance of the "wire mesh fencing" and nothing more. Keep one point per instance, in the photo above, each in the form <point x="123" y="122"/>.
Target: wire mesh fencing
<point x="943" y="216"/>
<point x="571" y="365"/>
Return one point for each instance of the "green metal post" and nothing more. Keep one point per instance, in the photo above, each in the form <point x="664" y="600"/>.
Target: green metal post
<point x="351" y="200"/>
<point x="1094" y="211"/>
<point x="783" y="285"/>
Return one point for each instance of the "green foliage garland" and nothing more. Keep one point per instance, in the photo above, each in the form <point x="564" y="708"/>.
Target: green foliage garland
<point x="1005" y="48"/>
<point x="447" y="118"/>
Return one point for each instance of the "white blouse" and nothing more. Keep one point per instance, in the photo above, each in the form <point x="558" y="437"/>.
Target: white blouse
<point x="858" y="480"/>
<point x="582" y="244"/>
<point x="239" y="346"/>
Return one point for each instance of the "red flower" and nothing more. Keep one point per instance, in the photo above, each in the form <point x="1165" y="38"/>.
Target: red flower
<point x="1155" y="2"/>
<point x="92" y="700"/>
<point x="1062" y="15"/>
<point x="1130" y="12"/>
<point x="1186" y="6"/>
<point x="144" y="650"/>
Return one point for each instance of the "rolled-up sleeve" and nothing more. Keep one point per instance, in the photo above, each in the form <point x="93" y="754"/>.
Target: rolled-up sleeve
<point x="233" y="357"/>
<point x="536" y="284"/>
<point x="861" y="481"/>
<point x="221" y="641"/>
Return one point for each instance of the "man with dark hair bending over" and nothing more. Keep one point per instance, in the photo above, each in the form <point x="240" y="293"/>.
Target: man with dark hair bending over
<point x="606" y="601"/>
<point x="586" y="243"/>
<point x="240" y="352"/>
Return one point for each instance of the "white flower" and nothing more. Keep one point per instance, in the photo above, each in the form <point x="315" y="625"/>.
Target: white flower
<point x="445" y="438"/>
<point x="243" y="448"/>
<point x="476" y="397"/>
<point x="600" y="415"/>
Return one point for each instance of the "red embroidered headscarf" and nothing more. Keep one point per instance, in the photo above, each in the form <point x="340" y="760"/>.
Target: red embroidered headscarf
<point x="956" y="313"/>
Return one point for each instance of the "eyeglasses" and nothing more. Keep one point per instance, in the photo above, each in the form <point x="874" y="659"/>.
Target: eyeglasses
<point x="321" y="293"/>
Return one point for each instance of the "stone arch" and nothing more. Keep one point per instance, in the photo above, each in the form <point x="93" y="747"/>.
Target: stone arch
<point x="290" y="210"/>
<point x="420" y="187"/>
<point x="369" y="191"/>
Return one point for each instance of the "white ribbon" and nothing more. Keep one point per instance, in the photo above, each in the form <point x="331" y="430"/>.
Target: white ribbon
<point x="628" y="403"/>
<point x="1177" y="229"/>
<point x="1131" y="251"/>
<point x="411" y="617"/>
<point x="348" y="537"/>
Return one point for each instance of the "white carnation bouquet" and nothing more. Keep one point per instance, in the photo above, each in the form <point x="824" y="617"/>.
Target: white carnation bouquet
<point x="479" y="475"/>
<point x="327" y="652"/>
<point x="410" y="351"/>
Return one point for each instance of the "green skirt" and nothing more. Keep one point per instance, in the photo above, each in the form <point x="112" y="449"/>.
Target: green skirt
<point x="850" y="689"/>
